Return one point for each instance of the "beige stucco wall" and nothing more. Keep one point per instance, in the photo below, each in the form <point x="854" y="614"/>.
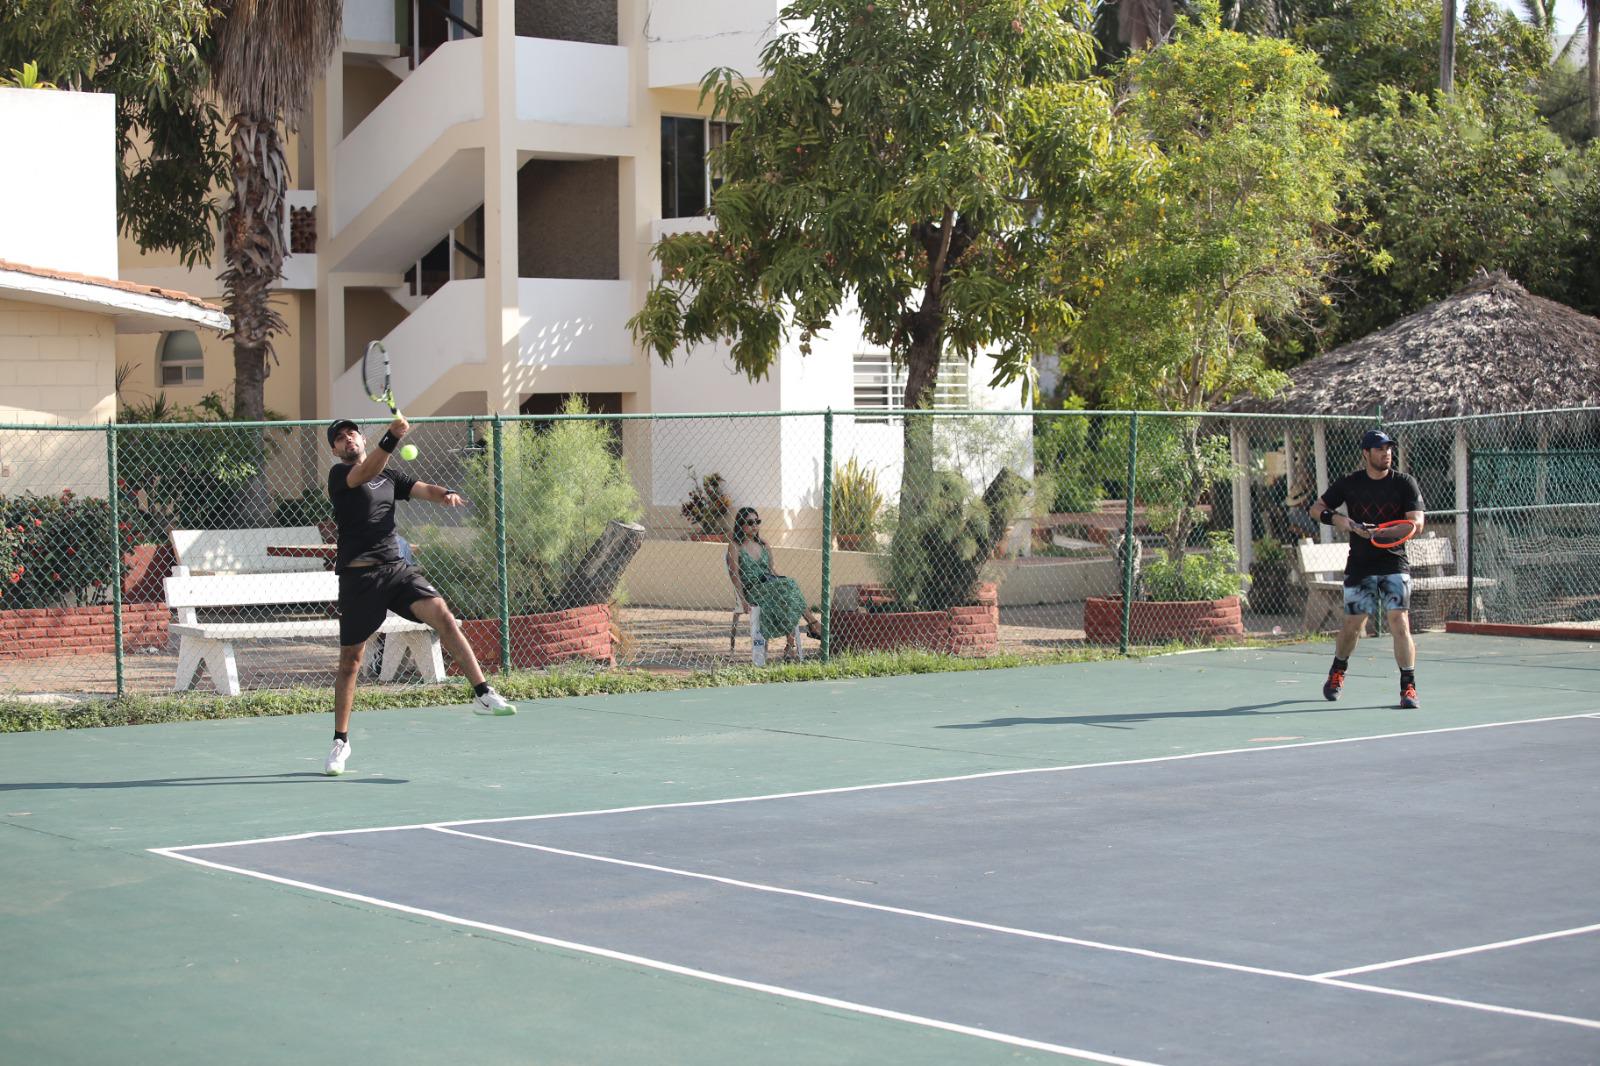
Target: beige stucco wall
<point x="284" y="395"/>
<point x="57" y="367"/>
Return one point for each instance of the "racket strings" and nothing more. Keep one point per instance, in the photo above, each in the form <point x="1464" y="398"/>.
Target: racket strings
<point x="373" y="375"/>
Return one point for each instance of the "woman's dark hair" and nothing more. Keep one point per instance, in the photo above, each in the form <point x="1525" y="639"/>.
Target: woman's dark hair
<point x="738" y="524"/>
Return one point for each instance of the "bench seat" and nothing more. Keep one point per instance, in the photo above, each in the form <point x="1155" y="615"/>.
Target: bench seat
<point x="211" y="643"/>
<point x="1320" y="568"/>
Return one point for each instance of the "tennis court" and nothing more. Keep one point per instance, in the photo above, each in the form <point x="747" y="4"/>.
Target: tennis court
<point x="1189" y="859"/>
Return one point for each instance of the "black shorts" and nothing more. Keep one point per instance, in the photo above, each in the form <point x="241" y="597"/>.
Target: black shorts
<point x="368" y="593"/>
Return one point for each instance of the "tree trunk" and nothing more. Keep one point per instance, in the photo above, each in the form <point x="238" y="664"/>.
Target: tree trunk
<point x="1194" y="488"/>
<point x="916" y="470"/>
<point x="597" y="575"/>
<point x="252" y="245"/>
<point x="1593" y="17"/>
<point x="1447" y="49"/>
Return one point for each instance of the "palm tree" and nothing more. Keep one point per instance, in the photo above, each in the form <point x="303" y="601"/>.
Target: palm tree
<point x="1591" y="15"/>
<point x="269" y="53"/>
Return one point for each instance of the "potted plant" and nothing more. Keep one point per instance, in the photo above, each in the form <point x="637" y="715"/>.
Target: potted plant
<point x="1196" y="598"/>
<point x="1269" y="575"/>
<point x="935" y="597"/>
<point x="707" y="507"/>
<point x="857" y="506"/>
<point x="566" y="487"/>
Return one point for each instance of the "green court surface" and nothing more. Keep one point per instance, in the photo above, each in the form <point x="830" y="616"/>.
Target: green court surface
<point x="114" y="954"/>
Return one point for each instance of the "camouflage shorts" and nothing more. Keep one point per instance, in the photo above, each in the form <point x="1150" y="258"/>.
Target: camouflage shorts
<point x="1391" y="590"/>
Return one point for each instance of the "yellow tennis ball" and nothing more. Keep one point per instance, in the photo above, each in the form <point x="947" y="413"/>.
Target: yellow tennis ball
<point x="408" y="452"/>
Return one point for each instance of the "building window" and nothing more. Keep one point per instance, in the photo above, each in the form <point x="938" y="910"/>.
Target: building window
<point x="179" y="358"/>
<point x="881" y="383"/>
<point x="687" y="180"/>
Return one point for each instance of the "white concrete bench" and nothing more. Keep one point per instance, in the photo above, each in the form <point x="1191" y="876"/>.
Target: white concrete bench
<point x="243" y="551"/>
<point x="211" y="643"/>
<point x="1435" y="587"/>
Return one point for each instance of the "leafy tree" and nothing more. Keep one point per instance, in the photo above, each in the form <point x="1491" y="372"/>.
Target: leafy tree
<point x="152" y="56"/>
<point x="1368" y="46"/>
<point x="914" y="159"/>
<point x="1234" y="228"/>
<point x="1451" y="187"/>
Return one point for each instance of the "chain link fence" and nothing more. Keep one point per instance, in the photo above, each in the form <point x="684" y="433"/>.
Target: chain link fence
<point x="198" y="556"/>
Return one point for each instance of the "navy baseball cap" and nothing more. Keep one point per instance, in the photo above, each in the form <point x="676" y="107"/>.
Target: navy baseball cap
<point x="1376" y="438"/>
<point x="340" y="423"/>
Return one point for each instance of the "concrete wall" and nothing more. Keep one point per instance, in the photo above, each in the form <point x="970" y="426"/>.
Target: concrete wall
<point x="589" y="21"/>
<point x="567" y="219"/>
<point x="58" y="190"/>
<point x="694" y="576"/>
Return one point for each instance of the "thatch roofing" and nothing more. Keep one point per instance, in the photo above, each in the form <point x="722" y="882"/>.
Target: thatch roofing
<point x="1490" y="348"/>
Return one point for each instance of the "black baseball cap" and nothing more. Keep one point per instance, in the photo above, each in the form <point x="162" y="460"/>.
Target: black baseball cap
<point x="1376" y="438"/>
<point x="340" y="423"/>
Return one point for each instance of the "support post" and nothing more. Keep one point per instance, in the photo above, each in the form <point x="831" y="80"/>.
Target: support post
<point x="112" y="494"/>
<point x="826" y="606"/>
<point x="500" y="542"/>
<point x="1130" y="544"/>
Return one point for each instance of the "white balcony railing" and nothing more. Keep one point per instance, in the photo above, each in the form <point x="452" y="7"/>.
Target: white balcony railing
<point x="572" y="83"/>
<point x="445" y="91"/>
<point x="564" y="323"/>
<point x="574" y="322"/>
<point x="690" y="37"/>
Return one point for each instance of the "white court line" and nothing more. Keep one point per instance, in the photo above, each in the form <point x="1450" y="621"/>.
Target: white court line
<point x="881" y="785"/>
<point x="1578" y="931"/>
<point x="668" y="967"/>
<point x="1031" y="934"/>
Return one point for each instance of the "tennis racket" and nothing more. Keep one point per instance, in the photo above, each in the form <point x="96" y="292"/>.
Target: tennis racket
<point x="1392" y="534"/>
<point x="375" y="376"/>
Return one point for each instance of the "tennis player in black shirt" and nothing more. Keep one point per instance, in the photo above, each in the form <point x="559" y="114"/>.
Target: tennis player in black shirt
<point x="1373" y="577"/>
<point x="373" y="577"/>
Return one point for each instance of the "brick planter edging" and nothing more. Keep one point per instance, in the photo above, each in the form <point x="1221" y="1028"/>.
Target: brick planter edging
<point x="971" y="631"/>
<point x="1154" y="621"/>
<point x="539" y="640"/>
<point x="46" y="632"/>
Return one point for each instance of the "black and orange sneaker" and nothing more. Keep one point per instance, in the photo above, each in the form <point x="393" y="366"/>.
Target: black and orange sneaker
<point x="1408" y="696"/>
<point x="1334" y="685"/>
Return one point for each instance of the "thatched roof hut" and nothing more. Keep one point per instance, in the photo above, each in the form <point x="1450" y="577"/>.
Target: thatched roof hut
<point x="1490" y="348"/>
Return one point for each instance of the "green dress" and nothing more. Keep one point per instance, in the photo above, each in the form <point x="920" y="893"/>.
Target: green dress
<point x="779" y="598"/>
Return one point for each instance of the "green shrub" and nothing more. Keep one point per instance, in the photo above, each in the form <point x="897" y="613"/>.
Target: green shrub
<point x="59" y="551"/>
<point x="1068" y="465"/>
<point x="190" y="478"/>
<point x="857" y="500"/>
<point x="307" y="509"/>
<point x="1200" y="576"/>
<point x="563" y="484"/>
<point x="939" y="552"/>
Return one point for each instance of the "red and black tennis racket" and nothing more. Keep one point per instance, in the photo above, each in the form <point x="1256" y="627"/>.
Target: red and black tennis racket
<point x="1392" y="534"/>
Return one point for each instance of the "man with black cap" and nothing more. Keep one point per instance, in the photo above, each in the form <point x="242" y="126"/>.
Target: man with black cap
<point x="1373" y="577"/>
<point x="374" y="578"/>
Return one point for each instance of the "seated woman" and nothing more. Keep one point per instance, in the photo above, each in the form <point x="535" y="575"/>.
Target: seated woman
<point x="780" y="599"/>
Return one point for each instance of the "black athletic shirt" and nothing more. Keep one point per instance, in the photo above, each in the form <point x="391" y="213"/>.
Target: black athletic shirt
<point x="365" y="515"/>
<point x="1374" y="500"/>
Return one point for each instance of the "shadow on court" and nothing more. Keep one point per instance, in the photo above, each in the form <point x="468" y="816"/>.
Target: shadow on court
<point x="1115" y="720"/>
<point x="301" y="778"/>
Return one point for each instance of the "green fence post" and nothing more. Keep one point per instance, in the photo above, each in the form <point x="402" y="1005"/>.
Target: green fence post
<point x="500" y="543"/>
<point x="827" y="534"/>
<point x="116" y="551"/>
<point x="1129" y="544"/>
<point x="1472" y="520"/>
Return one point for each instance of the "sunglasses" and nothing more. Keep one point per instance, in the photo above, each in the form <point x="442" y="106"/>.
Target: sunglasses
<point x="752" y="521"/>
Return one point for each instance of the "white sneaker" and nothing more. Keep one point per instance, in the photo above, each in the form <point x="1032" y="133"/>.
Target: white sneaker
<point x="494" y="703"/>
<point x="335" y="764"/>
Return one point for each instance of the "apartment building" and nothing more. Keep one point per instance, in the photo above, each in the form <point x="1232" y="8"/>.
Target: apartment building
<point x="479" y="186"/>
